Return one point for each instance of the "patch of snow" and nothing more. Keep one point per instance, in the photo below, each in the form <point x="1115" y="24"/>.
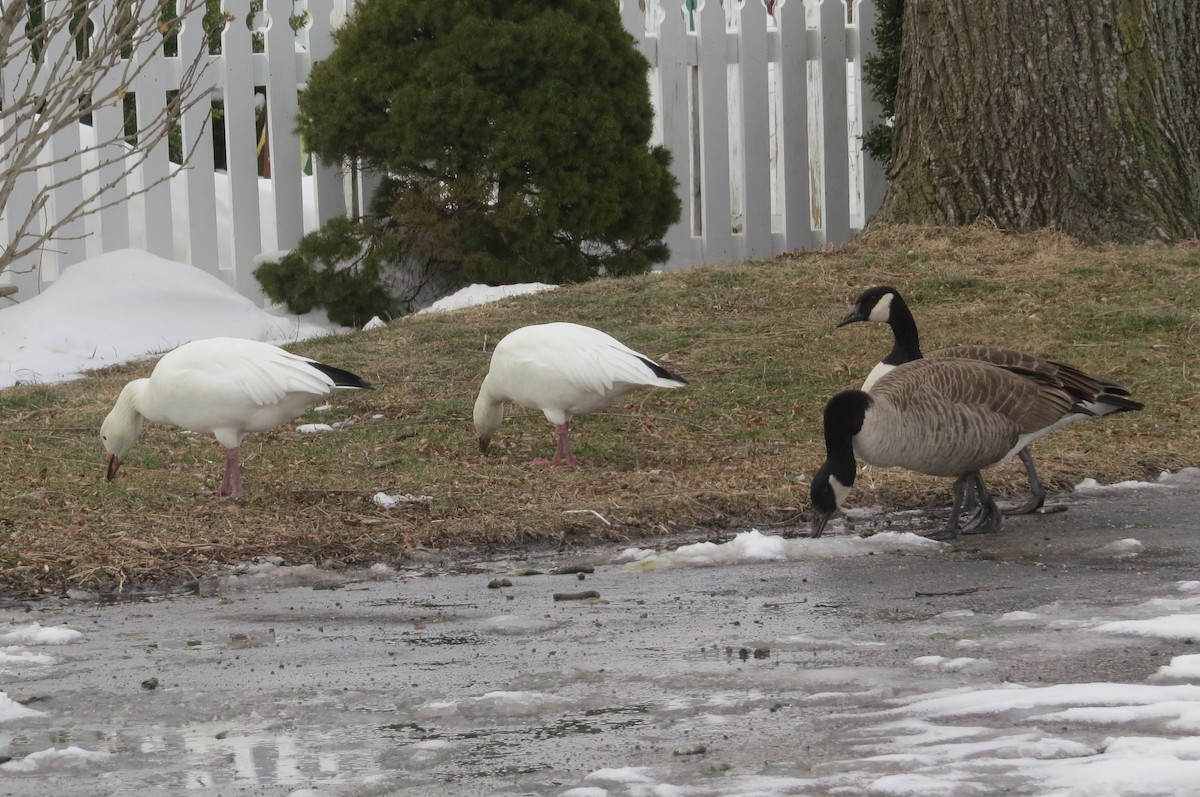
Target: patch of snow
<point x="498" y="705"/>
<point x="1019" y="618"/>
<point x="959" y="664"/>
<point x="1090" y="486"/>
<point x="1183" y="668"/>
<point x="19" y="657"/>
<point x="515" y="624"/>
<point x="386" y="501"/>
<point x="124" y="305"/>
<point x="625" y="776"/>
<point x="1184" y="477"/>
<point x="56" y="759"/>
<point x="1119" y="549"/>
<point x="482" y="294"/>
<point x="12" y="710"/>
<point x="1176" y="626"/>
<point x="754" y="546"/>
<point x="38" y="634"/>
<point x="1009" y="698"/>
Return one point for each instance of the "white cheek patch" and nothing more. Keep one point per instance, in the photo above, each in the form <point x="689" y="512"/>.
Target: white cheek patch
<point x="882" y="310"/>
<point x="840" y="491"/>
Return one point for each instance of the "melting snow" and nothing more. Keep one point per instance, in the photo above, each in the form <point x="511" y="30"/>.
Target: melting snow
<point x="1185" y="477"/>
<point x="38" y="634"/>
<point x="754" y="546"/>
<point x="12" y="710"/>
<point x="1177" y="626"/>
<point x="54" y="758"/>
<point x="482" y="294"/>
<point x="124" y="305"/>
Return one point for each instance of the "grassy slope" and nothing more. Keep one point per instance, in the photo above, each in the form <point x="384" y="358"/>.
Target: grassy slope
<point x="757" y="342"/>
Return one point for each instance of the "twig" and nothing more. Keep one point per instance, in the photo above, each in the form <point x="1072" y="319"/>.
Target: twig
<point x="965" y="591"/>
<point x="587" y="512"/>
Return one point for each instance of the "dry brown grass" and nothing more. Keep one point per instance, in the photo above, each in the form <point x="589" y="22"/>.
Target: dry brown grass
<point x="757" y="342"/>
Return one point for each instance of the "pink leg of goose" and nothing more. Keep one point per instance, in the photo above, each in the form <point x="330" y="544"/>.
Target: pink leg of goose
<point x="562" y="449"/>
<point x="231" y="481"/>
<point x="563" y="455"/>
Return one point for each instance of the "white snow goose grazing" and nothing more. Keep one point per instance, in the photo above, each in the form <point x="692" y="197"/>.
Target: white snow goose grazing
<point x="1096" y="397"/>
<point x="226" y="387"/>
<point x="563" y="370"/>
<point x="943" y="417"/>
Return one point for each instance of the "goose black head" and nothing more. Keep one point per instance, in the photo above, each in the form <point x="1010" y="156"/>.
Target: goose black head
<point x="824" y="491"/>
<point x="874" y="304"/>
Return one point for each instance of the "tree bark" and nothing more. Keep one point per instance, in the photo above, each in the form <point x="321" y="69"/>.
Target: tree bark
<point x="1083" y="116"/>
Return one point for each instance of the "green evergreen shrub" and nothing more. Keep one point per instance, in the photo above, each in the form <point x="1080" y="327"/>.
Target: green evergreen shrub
<point x="337" y="268"/>
<point x="515" y="134"/>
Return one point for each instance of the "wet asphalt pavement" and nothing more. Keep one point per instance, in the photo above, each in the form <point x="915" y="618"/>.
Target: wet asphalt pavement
<point x="719" y="680"/>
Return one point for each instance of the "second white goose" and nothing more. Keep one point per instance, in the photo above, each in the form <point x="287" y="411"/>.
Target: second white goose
<point x="564" y="370"/>
<point x="1095" y="397"/>
<point x="945" y="417"/>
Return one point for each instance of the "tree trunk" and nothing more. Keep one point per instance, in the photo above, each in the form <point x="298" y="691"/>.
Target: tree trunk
<point x="1084" y="116"/>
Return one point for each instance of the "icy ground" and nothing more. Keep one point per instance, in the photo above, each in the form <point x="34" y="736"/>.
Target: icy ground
<point x="1057" y="657"/>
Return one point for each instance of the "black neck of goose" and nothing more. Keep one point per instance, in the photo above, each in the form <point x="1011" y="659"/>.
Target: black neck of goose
<point x="840" y="463"/>
<point x="844" y="415"/>
<point x="907" y="345"/>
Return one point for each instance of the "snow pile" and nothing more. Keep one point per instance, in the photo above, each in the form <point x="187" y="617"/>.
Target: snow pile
<point x="754" y="546"/>
<point x="128" y="304"/>
<point x="1183" y="668"/>
<point x="124" y="305"/>
<point x="38" y="634"/>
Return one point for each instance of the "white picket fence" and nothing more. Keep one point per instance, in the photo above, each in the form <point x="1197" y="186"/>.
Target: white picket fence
<point x="761" y="108"/>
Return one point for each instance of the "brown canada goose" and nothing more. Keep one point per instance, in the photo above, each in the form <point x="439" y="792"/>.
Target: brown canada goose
<point x="563" y="370"/>
<point x="940" y="417"/>
<point x="1096" y="397"/>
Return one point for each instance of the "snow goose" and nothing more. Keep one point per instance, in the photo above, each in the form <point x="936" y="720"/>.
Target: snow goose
<point x="226" y="387"/>
<point x="562" y="369"/>
<point x="1096" y="397"/>
<point x="943" y="417"/>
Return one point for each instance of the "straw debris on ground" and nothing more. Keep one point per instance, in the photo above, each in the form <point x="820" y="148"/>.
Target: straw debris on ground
<point x="735" y="448"/>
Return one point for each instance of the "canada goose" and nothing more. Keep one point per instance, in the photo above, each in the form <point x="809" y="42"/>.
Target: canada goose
<point x="1096" y="396"/>
<point x="562" y="369"/>
<point x="944" y="417"/>
<point x="226" y="387"/>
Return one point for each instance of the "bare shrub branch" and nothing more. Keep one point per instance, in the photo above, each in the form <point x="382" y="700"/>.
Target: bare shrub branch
<point x="60" y="62"/>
